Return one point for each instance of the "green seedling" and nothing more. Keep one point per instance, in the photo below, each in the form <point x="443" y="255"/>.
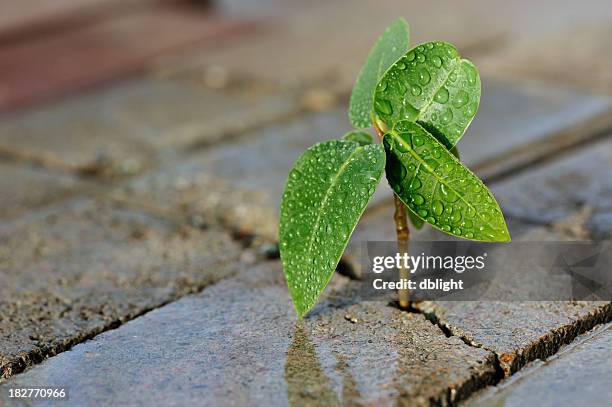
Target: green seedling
<point x="420" y="102"/>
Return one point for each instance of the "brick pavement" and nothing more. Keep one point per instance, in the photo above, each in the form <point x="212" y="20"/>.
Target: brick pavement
<point x="132" y="196"/>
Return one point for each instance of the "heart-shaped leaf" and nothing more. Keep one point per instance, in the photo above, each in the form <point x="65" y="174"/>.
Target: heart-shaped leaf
<point x="433" y="86"/>
<point x="438" y="188"/>
<point x="326" y="194"/>
<point x="392" y="45"/>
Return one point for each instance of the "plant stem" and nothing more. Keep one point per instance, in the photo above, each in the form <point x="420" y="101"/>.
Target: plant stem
<point x="402" y="233"/>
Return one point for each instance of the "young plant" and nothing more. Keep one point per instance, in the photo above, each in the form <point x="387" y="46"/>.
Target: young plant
<point x="420" y="101"/>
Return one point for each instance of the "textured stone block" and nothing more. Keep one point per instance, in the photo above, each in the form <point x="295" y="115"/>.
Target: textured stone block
<point x="25" y="188"/>
<point x="578" y="375"/>
<point x="74" y="270"/>
<point x="238" y="343"/>
<point x="578" y="182"/>
<point x="130" y="127"/>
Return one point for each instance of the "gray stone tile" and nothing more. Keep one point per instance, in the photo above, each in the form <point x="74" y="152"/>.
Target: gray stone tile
<point x="238" y="343"/>
<point x="25" y="188"/>
<point x="128" y="127"/>
<point x="80" y="267"/>
<point x="578" y="375"/>
<point x="513" y="116"/>
<point x="518" y="332"/>
<point x="556" y="190"/>
<point x="239" y="183"/>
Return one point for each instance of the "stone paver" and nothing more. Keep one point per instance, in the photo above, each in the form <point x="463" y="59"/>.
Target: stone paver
<point x="577" y="375"/>
<point x="518" y="332"/>
<point x="240" y="183"/>
<point x="260" y="161"/>
<point x="78" y="268"/>
<point x="238" y="343"/>
<point x="123" y="130"/>
<point x="579" y="181"/>
<point x="25" y="188"/>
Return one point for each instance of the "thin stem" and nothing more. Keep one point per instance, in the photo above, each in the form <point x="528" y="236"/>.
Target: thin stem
<point x="402" y="233"/>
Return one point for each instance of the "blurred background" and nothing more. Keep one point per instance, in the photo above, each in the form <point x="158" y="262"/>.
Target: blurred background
<point x="52" y="48"/>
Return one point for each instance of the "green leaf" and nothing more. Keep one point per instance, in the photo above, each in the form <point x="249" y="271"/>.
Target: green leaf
<point x="414" y="219"/>
<point x="433" y="86"/>
<point x="438" y="188"/>
<point x="389" y="48"/>
<point x="326" y="194"/>
<point x="358" y="136"/>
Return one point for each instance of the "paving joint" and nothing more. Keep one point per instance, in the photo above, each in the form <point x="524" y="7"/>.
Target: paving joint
<point x="545" y="347"/>
<point x="557" y="145"/>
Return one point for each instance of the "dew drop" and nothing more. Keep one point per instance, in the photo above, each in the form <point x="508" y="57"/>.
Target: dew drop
<point x="382" y="86"/>
<point x="415" y="90"/>
<point x="420" y="58"/>
<point x="448" y="193"/>
<point x="442" y="95"/>
<point x="437" y="153"/>
<point x="437" y="207"/>
<point x="410" y="112"/>
<point x="456" y="217"/>
<point x="415" y="184"/>
<point x="410" y="57"/>
<point x="471" y="110"/>
<point x="422" y="213"/>
<point x="431" y="220"/>
<point x="469" y="235"/>
<point x="447" y="116"/>
<point x="383" y="106"/>
<point x="424" y="76"/>
<point x="400" y="65"/>
<point x="418" y="199"/>
<point x="417" y="140"/>
<point x="446" y="228"/>
<point x="461" y="99"/>
<point x="471" y="75"/>
<point x="436" y="61"/>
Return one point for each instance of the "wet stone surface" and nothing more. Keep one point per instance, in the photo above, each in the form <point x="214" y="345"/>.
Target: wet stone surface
<point x="577" y="375"/>
<point x="127" y="128"/>
<point x="25" y="188"/>
<point x="558" y="189"/>
<point x="238" y="342"/>
<point x="518" y="332"/>
<point x="238" y="183"/>
<point x="78" y="268"/>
